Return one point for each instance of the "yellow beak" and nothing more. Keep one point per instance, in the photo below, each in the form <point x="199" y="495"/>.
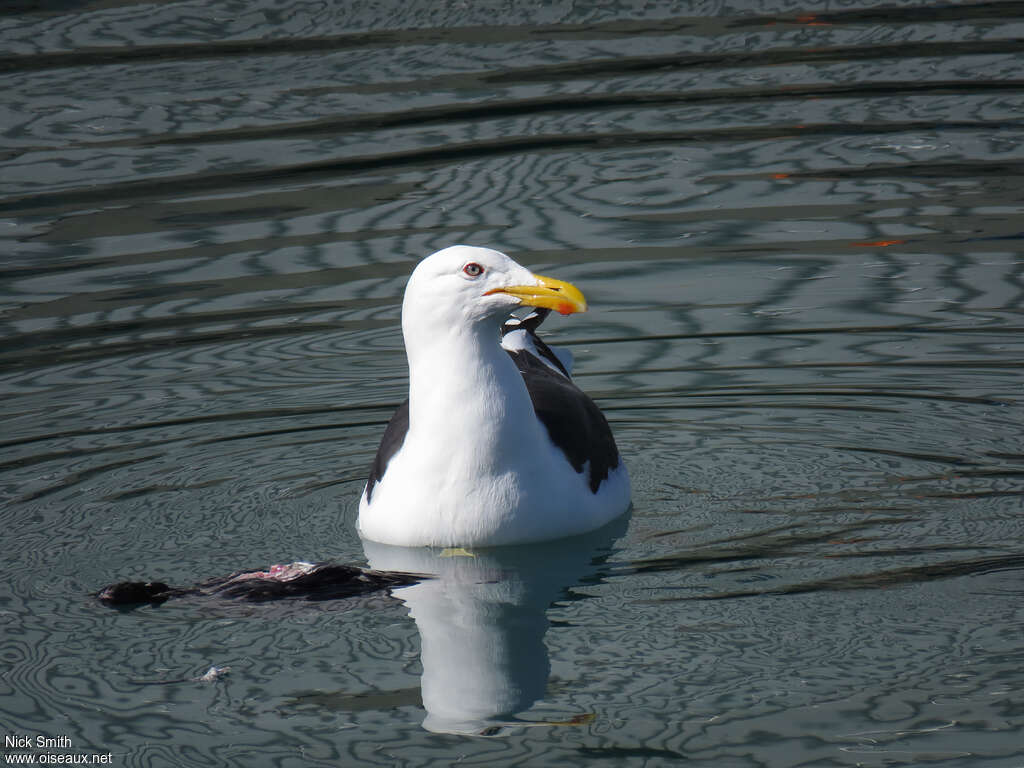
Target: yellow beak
<point x="565" y="298"/>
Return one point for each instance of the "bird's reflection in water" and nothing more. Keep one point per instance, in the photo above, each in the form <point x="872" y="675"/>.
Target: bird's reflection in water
<point x="482" y="621"/>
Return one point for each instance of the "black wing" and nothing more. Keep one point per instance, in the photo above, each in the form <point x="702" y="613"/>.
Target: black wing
<point x="393" y="438"/>
<point x="574" y="422"/>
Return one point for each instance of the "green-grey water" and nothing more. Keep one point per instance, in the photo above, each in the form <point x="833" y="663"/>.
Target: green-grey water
<point x="799" y="228"/>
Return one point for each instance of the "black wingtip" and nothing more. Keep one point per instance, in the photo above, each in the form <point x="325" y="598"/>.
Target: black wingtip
<point x="529" y="323"/>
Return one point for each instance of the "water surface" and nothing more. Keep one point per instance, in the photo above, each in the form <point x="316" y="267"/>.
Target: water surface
<point x="800" y="231"/>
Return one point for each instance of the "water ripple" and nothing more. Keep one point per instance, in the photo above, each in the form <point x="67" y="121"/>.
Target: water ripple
<point x="800" y="236"/>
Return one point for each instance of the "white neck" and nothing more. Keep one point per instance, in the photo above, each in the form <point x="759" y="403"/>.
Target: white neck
<point x="466" y="393"/>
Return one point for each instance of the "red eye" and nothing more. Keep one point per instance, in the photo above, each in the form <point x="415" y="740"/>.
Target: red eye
<point x="473" y="269"/>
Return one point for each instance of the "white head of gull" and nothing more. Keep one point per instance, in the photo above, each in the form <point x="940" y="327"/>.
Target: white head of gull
<point x="496" y="445"/>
